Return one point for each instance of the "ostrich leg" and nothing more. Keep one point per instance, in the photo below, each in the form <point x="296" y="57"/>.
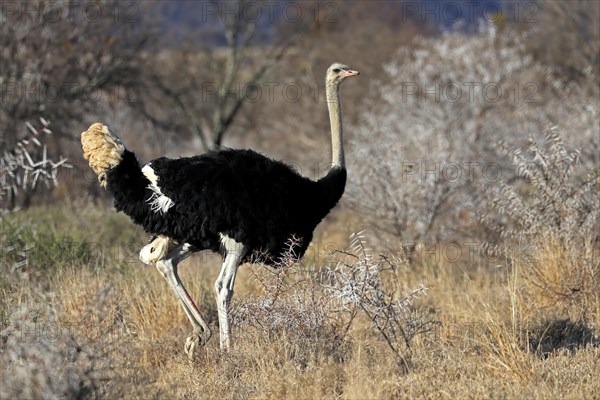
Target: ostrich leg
<point x="168" y="269"/>
<point x="234" y="253"/>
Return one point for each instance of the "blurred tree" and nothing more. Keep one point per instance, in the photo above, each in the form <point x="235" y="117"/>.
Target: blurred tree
<point x="433" y="126"/>
<point x="565" y="35"/>
<point x="355" y="33"/>
<point x="219" y="76"/>
<point x="208" y="99"/>
<point x="58" y="61"/>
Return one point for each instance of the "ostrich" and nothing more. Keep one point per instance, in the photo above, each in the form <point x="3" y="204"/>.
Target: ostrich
<point x="234" y="202"/>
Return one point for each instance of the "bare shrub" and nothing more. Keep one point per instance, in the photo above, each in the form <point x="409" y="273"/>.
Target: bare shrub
<point x="292" y="305"/>
<point x="547" y="223"/>
<point x="364" y="283"/>
<point x="544" y="221"/>
<point x="432" y="123"/>
<point x="550" y="194"/>
<point x="40" y="359"/>
<point x="26" y="165"/>
<point x="315" y="309"/>
<point x="427" y="123"/>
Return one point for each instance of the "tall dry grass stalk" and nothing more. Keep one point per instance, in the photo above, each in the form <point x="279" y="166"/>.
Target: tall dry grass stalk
<point x="552" y="303"/>
<point x="562" y="279"/>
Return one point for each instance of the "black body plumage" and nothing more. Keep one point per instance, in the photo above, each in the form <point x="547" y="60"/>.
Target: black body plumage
<point x="241" y="194"/>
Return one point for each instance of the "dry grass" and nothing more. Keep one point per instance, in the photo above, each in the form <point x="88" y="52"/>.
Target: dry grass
<point x="563" y="278"/>
<point x="123" y="318"/>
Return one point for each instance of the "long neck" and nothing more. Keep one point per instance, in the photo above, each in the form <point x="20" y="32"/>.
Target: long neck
<point x="128" y="185"/>
<point x="335" y="118"/>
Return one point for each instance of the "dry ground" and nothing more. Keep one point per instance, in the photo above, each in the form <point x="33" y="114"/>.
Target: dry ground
<point x="83" y="318"/>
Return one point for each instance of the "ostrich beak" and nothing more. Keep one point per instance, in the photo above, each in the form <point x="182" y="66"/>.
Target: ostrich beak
<point x="349" y="72"/>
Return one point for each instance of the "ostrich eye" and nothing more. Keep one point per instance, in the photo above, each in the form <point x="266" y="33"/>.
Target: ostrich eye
<point x="337" y="70"/>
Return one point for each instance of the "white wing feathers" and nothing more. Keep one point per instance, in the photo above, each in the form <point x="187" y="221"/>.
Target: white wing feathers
<point x="159" y="203"/>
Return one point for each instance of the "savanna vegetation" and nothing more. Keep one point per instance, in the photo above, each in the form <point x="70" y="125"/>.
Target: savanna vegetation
<point x="462" y="262"/>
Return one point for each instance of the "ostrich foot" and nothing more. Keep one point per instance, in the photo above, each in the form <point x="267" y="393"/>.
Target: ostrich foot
<point x="195" y="340"/>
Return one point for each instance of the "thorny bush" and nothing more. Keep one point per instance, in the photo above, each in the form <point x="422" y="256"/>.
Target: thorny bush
<point x="315" y="309"/>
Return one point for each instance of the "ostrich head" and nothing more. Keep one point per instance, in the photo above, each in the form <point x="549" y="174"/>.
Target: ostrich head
<point x="337" y="72"/>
